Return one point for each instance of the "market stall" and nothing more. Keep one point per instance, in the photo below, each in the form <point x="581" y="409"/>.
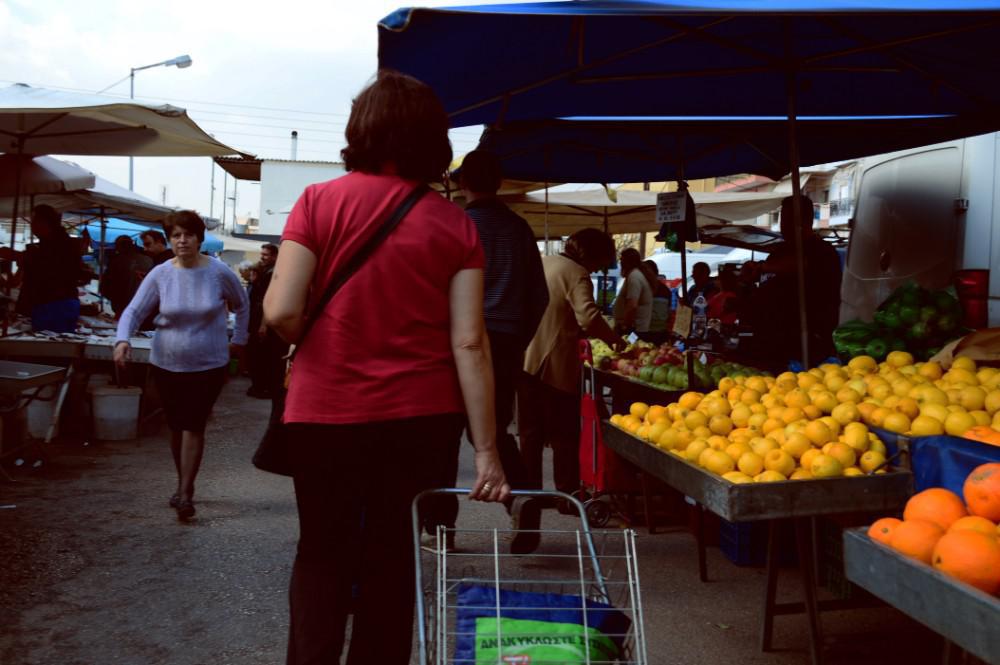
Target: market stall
<point x="963" y="615"/>
<point x="20" y="384"/>
<point x="792" y="503"/>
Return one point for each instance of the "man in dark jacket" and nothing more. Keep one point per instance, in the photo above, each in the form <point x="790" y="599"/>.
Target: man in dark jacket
<point x="265" y="351"/>
<point x="155" y="246"/>
<point x="515" y="298"/>
<point x="49" y="273"/>
<point x="776" y="329"/>
<point x="125" y="272"/>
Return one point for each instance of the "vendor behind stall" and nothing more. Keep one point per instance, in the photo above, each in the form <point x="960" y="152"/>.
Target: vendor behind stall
<point x="49" y="273"/>
<point x="634" y="305"/>
<point x="776" y="306"/>
<point x="125" y="272"/>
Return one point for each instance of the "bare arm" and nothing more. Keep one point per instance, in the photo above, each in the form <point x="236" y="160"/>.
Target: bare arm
<point x="286" y="297"/>
<point x="471" y="349"/>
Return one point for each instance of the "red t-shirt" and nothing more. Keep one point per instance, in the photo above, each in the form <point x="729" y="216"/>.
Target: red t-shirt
<point x="381" y="350"/>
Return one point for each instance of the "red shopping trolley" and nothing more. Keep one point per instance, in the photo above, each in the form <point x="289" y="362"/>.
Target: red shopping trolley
<point x="606" y="479"/>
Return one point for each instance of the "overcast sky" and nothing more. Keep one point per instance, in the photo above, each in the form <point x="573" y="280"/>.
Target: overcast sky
<point x="260" y="69"/>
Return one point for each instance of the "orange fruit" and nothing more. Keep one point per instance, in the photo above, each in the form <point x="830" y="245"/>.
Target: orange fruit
<point x="909" y="407"/>
<point x="896" y="422"/>
<point x="690" y="400"/>
<point x="936" y="505"/>
<point x="819" y="433"/>
<point x="878" y="416"/>
<point x="974" y="523"/>
<point x="843" y="453"/>
<point x="825" y="466"/>
<point x="982" y="491"/>
<point x="969" y="556"/>
<point x="883" y="529"/>
<point x="916" y="539"/>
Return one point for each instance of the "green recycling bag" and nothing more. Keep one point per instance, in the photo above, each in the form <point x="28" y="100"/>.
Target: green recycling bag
<point x="524" y="641"/>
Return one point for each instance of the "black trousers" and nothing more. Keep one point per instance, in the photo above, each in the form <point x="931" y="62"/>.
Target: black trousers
<point x="550" y="416"/>
<point x="354" y="485"/>
<point x="266" y="358"/>
<point x="507" y="352"/>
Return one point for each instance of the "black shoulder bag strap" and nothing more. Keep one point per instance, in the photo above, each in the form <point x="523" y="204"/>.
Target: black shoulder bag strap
<point x="341" y="276"/>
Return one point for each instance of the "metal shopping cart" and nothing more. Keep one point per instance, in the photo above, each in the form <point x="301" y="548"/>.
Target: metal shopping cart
<point x="574" y="601"/>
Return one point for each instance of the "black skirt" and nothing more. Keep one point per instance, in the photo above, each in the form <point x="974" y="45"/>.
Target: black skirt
<point x="188" y="397"/>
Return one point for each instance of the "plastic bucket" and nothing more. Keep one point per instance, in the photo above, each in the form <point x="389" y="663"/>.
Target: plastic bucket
<point x="116" y="412"/>
<point x="39" y="411"/>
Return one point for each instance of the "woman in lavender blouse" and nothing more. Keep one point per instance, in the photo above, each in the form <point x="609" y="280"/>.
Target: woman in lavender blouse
<point x="191" y="349"/>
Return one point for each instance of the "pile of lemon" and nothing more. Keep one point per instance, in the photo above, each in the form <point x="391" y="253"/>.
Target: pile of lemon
<point x="815" y="424"/>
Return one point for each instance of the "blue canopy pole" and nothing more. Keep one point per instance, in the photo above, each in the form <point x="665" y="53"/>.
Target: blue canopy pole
<point x="682" y="235"/>
<point x="546" y="222"/>
<point x="100" y="258"/>
<point x="793" y="148"/>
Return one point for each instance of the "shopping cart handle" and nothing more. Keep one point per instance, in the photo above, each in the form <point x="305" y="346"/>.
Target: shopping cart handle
<point x="537" y="494"/>
<point x="586" y="354"/>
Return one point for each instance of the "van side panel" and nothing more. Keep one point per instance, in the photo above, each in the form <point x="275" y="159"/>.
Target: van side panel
<point x="994" y="227"/>
<point x="978" y="188"/>
<point x="906" y="226"/>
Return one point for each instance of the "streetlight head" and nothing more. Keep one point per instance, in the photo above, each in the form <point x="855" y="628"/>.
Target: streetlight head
<point x="180" y="62"/>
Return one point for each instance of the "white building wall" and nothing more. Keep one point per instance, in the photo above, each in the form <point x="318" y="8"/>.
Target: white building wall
<point x="281" y="184"/>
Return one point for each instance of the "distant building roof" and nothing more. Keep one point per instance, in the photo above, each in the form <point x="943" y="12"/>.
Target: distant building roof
<point x="249" y="169"/>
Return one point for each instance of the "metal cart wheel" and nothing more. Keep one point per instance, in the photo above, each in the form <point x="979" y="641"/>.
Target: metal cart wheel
<point x="598" y="512"/>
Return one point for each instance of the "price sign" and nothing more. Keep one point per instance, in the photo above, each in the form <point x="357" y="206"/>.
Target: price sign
<point x="670" y="207"/>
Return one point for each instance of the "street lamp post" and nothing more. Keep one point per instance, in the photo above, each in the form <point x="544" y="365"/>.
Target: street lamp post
<point x="180" y="62"/>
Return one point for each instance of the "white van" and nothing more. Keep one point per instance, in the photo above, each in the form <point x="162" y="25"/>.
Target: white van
<point x="929" y="215"/>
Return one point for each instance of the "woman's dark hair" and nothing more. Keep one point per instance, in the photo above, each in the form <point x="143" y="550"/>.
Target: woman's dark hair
<point x="400" y="120"/>
<point x="188" y="220"/>
<point x="590" y="247"/>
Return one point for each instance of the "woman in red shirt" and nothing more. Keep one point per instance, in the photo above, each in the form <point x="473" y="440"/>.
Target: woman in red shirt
<point x="381" y="387"/>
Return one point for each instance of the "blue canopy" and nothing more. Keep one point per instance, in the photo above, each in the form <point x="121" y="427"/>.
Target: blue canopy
<point x="119" y="227"/>
<point x="643" y="150"/>
<point x="500" y="63"/>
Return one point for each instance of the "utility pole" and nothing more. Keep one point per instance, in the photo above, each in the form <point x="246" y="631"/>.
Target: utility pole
<point x="222" y="213"/>
<point x="235" y="183"/>
<point x="211" y="192"/>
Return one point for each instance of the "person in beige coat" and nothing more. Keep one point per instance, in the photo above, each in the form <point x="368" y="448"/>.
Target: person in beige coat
<point x="549" y="397"/>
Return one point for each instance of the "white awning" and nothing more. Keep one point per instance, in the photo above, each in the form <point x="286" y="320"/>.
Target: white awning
<point x="633" y="211"/>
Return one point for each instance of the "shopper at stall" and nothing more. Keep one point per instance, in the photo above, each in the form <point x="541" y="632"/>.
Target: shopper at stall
<point x="49" y="273"/>
<point x="515" y="297"/>
<point x="777" y="338"/>
<point x="155" y="246"/>
<point x="125" y="272"/>
<point x="265" y="350"/>
<point x="724" y="303"/>
<point x="704" y="285"/>
<point x="634" y="305"/>
<point x="191" y="349"/>
<point x="659" y="320"/>
<point x="549" y="395"/>
<point x="385" y="380"/>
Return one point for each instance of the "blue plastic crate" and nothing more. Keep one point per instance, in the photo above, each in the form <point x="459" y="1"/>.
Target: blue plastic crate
<point x="745" y="543"/>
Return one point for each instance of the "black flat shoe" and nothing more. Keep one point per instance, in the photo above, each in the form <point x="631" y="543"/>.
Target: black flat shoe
<point x="175" y="500"/>
<point x="185" y="510"/>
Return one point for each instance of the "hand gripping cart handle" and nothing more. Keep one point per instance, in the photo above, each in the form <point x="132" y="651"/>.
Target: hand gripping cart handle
<point x="474" y="603"/>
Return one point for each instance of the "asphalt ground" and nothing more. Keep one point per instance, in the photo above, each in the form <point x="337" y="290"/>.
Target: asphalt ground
<point x="96" y="570"/>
